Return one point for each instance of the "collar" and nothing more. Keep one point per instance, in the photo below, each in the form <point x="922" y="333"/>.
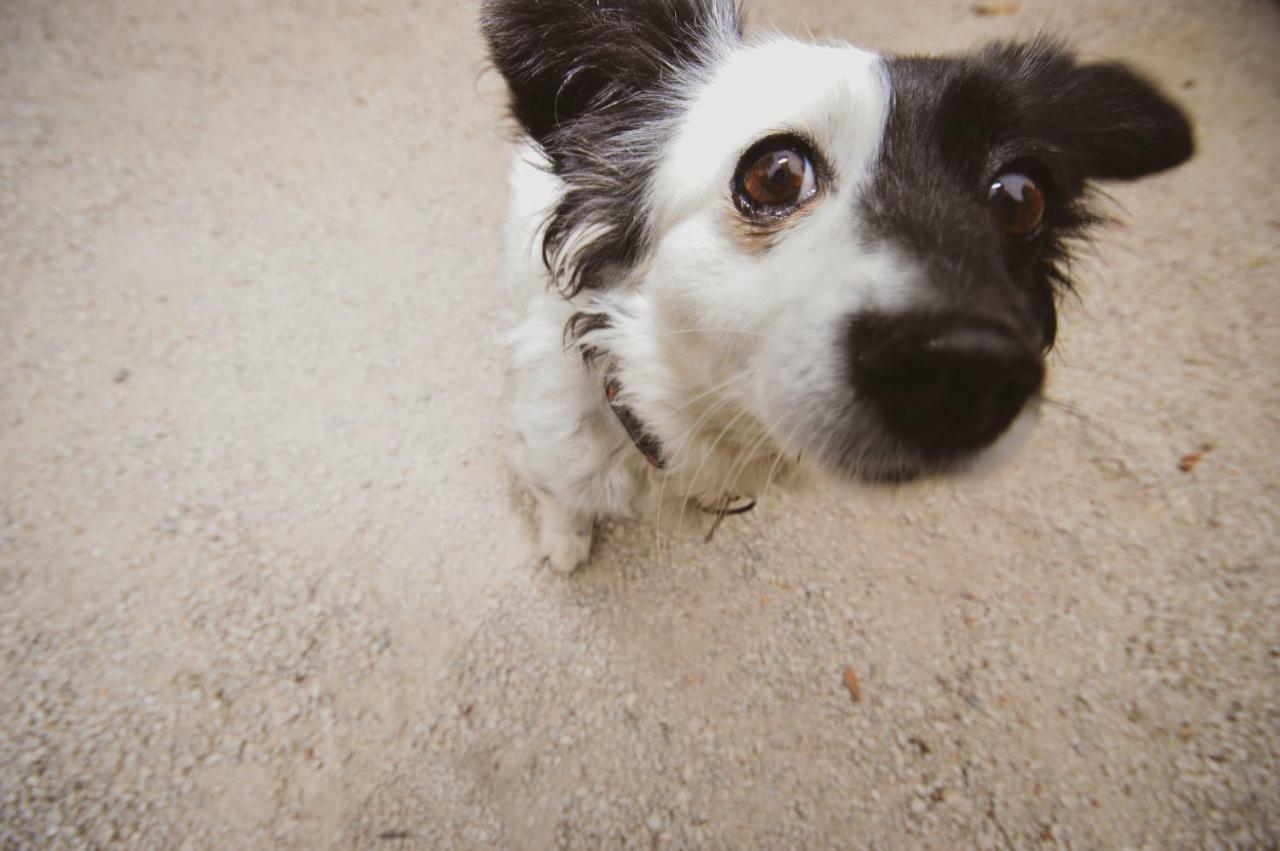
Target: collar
<point x="650" y="447"/>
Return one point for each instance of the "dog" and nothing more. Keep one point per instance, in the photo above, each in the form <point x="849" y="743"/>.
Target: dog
<point x="738" y="261"/>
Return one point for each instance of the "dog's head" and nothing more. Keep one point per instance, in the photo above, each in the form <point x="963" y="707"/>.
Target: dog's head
<point x="872" y="243"/>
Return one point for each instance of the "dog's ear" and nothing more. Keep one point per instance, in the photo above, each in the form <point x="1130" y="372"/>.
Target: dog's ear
<point x="1115" y="123"/>
<point x="1122" y="125"/>
<point x="596" y="83"/>
<point x="565" y="59"/>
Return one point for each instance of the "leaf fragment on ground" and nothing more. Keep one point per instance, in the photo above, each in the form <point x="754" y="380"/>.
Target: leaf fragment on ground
<point x="1189" y="461"/>
<point x="852" y="684"/>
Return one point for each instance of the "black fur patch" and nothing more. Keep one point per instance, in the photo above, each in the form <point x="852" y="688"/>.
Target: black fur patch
<point x="596" y="83"/>
<point x="956" y="123"/>
<point x="579" y="326"/>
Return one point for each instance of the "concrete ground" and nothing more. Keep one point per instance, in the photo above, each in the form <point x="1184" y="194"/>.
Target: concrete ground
<point x="264" y="582"/>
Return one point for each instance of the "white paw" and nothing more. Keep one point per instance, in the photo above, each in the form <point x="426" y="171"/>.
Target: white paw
<point x="567" y="552"/>
<point x="566" y="540"/>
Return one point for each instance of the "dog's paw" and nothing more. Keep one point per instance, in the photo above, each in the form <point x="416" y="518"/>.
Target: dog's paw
<point x="567" y="552"/>
<point x="566" y="540"/>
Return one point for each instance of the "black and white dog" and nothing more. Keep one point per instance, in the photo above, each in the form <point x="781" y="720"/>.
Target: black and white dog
<point x="737" y="259"/>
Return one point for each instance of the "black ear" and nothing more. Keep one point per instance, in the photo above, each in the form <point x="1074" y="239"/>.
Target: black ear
<point x="565" y="59"/>
<point x="1123" y="125"/>
<point x="1118" y="125"/>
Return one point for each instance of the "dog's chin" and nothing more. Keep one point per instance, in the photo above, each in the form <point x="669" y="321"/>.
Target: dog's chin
<point x="1008" y="446"/>
<point x="890" y="464"/>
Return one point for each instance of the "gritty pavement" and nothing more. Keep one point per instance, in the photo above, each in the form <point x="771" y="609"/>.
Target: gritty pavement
<point x="265" y="582"/>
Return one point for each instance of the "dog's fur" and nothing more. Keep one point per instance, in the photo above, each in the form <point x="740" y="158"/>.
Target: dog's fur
<point x="736" y="339"/>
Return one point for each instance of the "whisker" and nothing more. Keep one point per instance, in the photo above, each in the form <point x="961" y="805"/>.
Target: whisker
<point x="673" y="452"/>
<point x="716" y="389"/>
<point x="1093" y="370"/>
<point x="739" y="466"/>
<point x="682" y="331"/>
<point x="1084" y="415"/>
<point x="705" y="455"/>
<point x="782" y="453"/>
<point x="673" y="455"/>
<point x="822" y="452"/>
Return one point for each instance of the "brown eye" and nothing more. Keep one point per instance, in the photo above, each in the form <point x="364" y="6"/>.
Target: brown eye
<point x="775" y="180"/>
<point x="1018" y="203"/>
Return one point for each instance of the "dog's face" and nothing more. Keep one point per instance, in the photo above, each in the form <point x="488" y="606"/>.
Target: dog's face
<point x="865" y="249"/>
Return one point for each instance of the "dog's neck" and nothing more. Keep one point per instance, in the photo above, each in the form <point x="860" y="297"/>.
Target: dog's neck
<point x="702" y="452"/>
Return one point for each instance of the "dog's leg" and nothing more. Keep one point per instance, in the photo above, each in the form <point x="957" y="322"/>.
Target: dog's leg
<point x="566" y="536"/>
<point x="566" y="440"/>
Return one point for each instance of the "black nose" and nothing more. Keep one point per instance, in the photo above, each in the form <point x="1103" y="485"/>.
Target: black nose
<point x="943" y="383"/>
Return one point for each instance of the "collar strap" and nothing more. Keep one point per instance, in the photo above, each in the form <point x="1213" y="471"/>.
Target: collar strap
<point x="650" y="447"/>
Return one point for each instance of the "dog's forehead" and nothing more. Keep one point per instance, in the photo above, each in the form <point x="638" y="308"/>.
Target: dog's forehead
<point x="838" y="96"/>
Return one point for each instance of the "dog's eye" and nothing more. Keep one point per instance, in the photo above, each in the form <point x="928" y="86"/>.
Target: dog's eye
<point x="1018" y="204"/>
<point x="778" y="179"/>
<point x="774" y="178"/>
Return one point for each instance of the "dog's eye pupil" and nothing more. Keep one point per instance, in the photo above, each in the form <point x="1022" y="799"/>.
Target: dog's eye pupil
<point x="776" y="179"/>
<point x="1018" y="204"/>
